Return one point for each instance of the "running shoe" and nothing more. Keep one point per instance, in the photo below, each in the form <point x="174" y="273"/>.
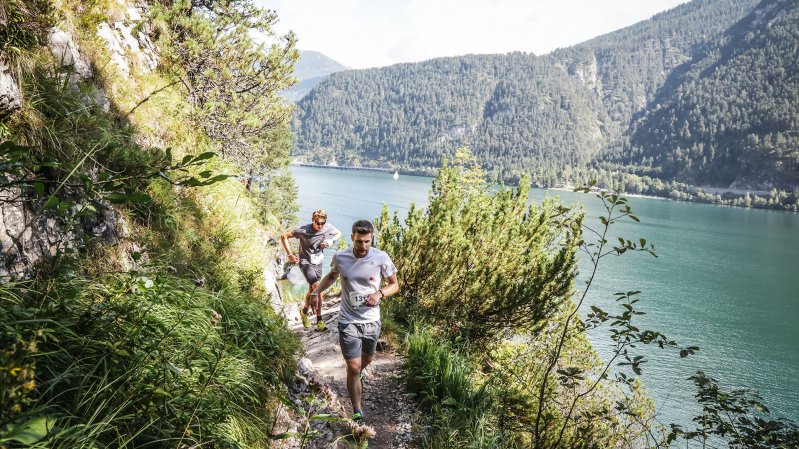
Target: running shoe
<point x="358" y="417"/>
<point x="306" y="323"/>
<point x="321" y="326"/>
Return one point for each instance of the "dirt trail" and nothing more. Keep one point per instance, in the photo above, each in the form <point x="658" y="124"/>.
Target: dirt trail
<point x="387" y="409"/>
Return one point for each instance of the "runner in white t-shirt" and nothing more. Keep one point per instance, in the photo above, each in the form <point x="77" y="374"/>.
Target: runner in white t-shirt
<point x="361" y="269"/>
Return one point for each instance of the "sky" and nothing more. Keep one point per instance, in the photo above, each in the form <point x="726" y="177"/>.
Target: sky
<point x="372" y="33"/>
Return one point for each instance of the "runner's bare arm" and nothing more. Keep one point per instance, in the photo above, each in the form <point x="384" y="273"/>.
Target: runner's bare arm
<point x="326" y="282"/>
<point x="335" y="235"/>
<point x="284" y="240"/>
<point x="391" y="288"/>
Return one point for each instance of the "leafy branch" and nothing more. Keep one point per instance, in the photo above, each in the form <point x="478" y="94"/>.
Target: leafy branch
<point x="623" y="332"/>
<point x="21" y="171"/>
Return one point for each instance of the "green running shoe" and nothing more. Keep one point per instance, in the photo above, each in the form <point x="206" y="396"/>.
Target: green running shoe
<point x="321" y="326"/>
<point x="358" y="417"/>
<point x="304" y="316"/>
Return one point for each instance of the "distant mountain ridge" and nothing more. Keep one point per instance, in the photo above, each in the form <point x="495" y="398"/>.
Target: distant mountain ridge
<point x="585" y="111"/>
<point x="311" y="69"/>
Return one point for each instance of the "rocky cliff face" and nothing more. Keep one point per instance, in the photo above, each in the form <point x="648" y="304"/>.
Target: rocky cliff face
<point x="10" y="95"/>
<point x="29" y="239"/>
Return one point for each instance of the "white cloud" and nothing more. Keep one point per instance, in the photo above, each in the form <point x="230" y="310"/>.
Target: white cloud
<point x="369" y="33"/>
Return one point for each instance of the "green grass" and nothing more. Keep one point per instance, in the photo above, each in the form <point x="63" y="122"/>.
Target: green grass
<point x="459" y="412"/>
<point x="183" y="351"/>
<point x="134" y="361"/>
<point x="175" y="347"/>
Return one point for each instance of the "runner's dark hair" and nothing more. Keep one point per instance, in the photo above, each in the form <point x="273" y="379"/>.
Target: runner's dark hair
<point x="362" y="227"/>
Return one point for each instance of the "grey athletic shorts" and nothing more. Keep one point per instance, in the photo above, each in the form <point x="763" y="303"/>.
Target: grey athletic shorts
<point x="358" y="338"/>
<point x="312" y="273"/>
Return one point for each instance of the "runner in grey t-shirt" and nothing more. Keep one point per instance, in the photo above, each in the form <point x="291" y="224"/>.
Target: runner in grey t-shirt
<point x="361" y="269"/>
<point x="314" y="238"/>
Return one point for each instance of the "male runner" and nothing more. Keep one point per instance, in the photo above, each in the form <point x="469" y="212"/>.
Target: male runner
<point x="361" y="269"/>
<point x="314" y="238"/>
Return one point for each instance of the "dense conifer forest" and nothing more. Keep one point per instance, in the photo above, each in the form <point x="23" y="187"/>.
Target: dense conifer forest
<point x="697" y="103"/>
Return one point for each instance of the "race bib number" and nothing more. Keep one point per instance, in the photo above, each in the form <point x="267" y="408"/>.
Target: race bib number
<point x="317" y="258"/>
<point x="357" y="299"/>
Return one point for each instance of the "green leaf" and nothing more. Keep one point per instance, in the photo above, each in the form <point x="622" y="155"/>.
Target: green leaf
<point x="139" y="198"/>
<point x="7" y="145"/>
<point x="84" y="210"/>
<point x="51" y="202"/>
<point x="450" y="401"/>
<point x="30" y="431"/>
<point x="38" y="187"/>
<point x="116" y="197"/>
<point x="218" y="178"/>
<point x="161" y="392"/>
<point x="203" y="156"/>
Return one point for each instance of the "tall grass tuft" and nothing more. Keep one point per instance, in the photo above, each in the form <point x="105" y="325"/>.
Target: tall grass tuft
<point x="462" y="413"/>
<point x="134" y="361"/>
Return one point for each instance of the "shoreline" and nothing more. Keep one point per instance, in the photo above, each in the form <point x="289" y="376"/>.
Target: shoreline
<point x="627" y="195"/>
<point x="564" y="189"/>
<point x="343" y="167"/>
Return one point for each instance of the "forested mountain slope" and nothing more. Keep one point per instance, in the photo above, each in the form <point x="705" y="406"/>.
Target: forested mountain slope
<point x="627" y="67"/>
<point x="733" y="117"/>
<point x="614" y="104"/>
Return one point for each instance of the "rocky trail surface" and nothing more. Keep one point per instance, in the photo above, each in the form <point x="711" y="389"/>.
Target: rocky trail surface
<point x="389" y="412"/>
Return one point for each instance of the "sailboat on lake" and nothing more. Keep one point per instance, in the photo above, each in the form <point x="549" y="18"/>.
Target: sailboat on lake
<point x="396" y="175"/>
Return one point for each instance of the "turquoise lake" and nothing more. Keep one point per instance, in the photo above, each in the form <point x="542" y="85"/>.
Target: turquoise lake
<point x="724" y="280"/>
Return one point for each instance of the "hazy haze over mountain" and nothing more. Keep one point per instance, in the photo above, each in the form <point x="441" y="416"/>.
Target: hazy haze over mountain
<point x="364" y="34"/>
<point x="310" y="70"/>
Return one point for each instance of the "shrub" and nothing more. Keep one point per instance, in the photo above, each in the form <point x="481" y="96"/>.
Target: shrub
<point x="483" y="263"/>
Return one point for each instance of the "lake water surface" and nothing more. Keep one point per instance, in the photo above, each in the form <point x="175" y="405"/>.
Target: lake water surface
<point x="724" y="280"/>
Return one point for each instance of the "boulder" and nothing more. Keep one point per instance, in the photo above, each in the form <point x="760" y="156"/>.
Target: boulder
<point x="114" y="45"/>
<point x="127" y="50"/>
<point x="29" y="239"/>
<point x="67" y="52"/>
<point x="10" y="95"/>
<point x="26" y="239"/>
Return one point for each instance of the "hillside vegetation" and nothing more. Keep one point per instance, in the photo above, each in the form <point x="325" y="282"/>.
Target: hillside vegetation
<point x="707" y="87"/>
<point x="731" y="118"/>
<point x="146" y="322"/>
